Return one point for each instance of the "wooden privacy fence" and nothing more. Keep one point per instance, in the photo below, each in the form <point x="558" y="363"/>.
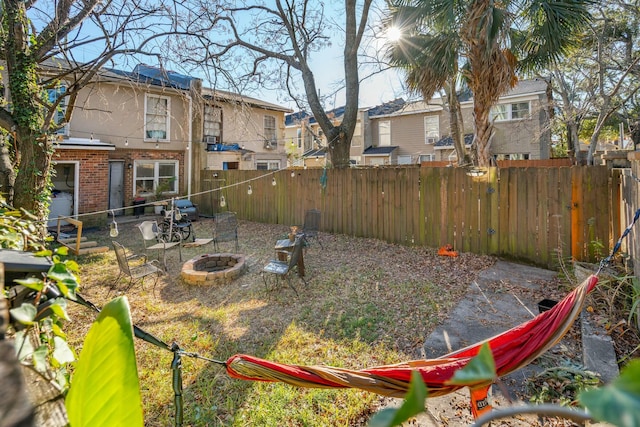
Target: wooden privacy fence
<point x="531" y="214"/>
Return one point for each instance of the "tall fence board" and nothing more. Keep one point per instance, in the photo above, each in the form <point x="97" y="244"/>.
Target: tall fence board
<point x="537" y="215"/>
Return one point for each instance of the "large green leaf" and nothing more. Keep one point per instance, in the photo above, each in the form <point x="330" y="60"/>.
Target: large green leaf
<point x="619" y="402"/>
<point x="413" y="405"/>
<point x="24" y="314"/>
<point x="104" y="388"/>
<point x="480" y="369"/>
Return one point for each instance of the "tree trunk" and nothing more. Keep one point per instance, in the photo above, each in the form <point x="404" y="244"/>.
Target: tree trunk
<point x="7" y="174"/>
<point x="339" y="149"/>
<point x="483" y="134"/>
<point x="33" y="152"/>
<point x="573" y="140"/>
<point x="457" y="126"/>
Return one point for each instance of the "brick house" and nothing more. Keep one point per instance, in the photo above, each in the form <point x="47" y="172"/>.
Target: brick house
<point x="148" y="133"/>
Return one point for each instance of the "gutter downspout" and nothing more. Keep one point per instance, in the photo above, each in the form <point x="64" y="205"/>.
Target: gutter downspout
<point x="189" y="147"/>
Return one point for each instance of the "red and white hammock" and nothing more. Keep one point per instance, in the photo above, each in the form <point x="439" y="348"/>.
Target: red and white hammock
<point x="511" y="350"/>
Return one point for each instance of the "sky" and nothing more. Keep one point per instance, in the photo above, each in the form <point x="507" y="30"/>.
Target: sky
<point x="327" y="66"/>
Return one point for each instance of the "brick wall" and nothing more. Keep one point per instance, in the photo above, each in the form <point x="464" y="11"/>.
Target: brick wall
<point x="93" y="194"/>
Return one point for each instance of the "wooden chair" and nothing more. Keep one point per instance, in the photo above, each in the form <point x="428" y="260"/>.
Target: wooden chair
<point x="279" y="271"/>
<point x="225" y="229"/>
<point x="311" y="226"/>
<point x="135" y="271"/>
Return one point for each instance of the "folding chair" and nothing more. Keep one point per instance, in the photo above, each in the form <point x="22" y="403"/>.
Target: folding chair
<point x="154" y="240"/>
<point x="277" y="271"/>
<point x="311" y="226"/>
<point x="225" y="229"/>
<point x="136" y="271"/>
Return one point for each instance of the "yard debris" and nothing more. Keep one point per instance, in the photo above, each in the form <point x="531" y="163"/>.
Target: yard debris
<point x="447" y="250"/>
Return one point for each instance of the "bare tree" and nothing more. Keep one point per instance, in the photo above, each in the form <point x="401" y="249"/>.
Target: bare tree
<point x="616" y="62"/>
<point x="39" y="43"/>
<point x="281" y="41"/>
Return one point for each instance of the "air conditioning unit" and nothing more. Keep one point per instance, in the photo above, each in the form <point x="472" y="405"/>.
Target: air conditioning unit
<point x="431" y="140"/>
<point x="210" y="139"/>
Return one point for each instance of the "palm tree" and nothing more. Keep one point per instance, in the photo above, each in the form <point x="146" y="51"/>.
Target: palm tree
<point x="486" y="43"/>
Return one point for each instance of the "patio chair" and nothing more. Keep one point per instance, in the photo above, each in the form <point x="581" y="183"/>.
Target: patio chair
<point x="279" y="271"/>
<point x="311" y="226"/>
<point x="225" y="229"/>
<point x="135" y="270"/>
<point x="154" y="240"/>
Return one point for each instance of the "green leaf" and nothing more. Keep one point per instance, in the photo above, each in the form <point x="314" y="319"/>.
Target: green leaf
<point x="24" y="314"/>
<point x="59" y="307"/>
<point x="24" y="349"/>
<point x="59" y="272"/>
<point x="31" y="283"/>
<point x="39" y="359"/>
<point x="480" y="369"/>
<point x="618" y="402"/>
<point x="62" y="250"/>
<point x="413" y="405"/>
<point x="61" y="352"/>
<point x="57" y="330"/>
<point x="104" y="389"/>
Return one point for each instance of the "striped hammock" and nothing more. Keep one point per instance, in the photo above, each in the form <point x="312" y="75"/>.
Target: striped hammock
<point x="512" y="350"/>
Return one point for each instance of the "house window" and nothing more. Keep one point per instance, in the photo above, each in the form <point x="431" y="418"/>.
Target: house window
<point x="515" y="111"/>
<point x="384" y="133"/>
<point x="404" y="159"/>
<point x="268" y="165"/>
<point x="61" y="109"/>
<point x="431" y="129"/>
<point x="377" y="161"/>
<point x="520" y="110"/>
<point x="156" y="124"/>
<point x="150" y="175"/>
<point x="299" y="137"/>
<point x="427" y="158"/>
<point x="270" y="131"/>
<point x="212" y="132"/>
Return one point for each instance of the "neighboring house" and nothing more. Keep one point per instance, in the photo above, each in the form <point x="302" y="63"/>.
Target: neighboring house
<point x="419" y="131"/>
<point x="308" y="143"/>
<point x="240" y="132"/>
<point x="135" y="133"/>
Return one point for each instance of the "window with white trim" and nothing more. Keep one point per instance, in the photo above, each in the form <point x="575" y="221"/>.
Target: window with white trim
<point x="431" y="129"/>
<point x="514" y="111"/>
<point x="212" y="118"/>
<point x="427" y="157"/>
<point x="61" y="110"/>
<point x="384" y="133"/>
<point x="268" y="165"/>
<point x="299" y="137"/>
<point x="156" y="117"/>
<point x="404" y="159"/>
<point x="151" y="174"/>
<point x="270" y="131"/>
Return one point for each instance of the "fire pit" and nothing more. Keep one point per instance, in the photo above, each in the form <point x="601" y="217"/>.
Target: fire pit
<point x="212" y="269"/>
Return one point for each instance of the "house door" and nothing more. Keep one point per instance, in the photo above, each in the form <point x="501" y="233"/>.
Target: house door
<point x="116" y="187"/>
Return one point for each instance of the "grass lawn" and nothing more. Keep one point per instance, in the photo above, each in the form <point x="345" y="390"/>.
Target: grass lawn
<point x="367" y="303"/>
